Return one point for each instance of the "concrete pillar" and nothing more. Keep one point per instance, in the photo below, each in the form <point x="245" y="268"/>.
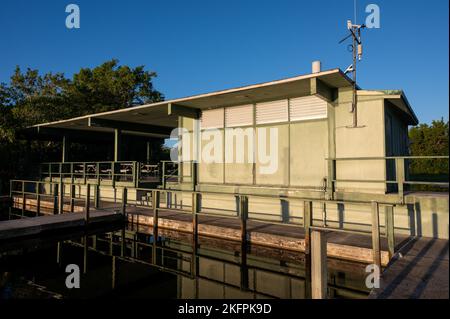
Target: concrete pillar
<point x="318" y="265"/>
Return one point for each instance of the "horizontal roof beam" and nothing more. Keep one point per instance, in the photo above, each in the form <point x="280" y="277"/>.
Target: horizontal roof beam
<point x="77" y="136"/>
<point x="179" y="110"/>
<point x="130" y="126"/>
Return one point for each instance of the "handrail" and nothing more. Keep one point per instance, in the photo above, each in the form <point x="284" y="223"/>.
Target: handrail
<point x="401" y="173"/>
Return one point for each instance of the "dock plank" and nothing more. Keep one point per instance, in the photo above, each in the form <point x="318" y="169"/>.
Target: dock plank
<point x="420" y="271"/>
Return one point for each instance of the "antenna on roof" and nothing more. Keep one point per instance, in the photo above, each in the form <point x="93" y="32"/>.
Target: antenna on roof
<point x="357" y="52"/>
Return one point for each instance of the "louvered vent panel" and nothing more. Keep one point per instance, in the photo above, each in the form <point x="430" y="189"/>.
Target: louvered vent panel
<point x="212" y="119"/>
<point x="307" y="108"/>
<point x="272" y="112"/>
<point x="239" y="115"/>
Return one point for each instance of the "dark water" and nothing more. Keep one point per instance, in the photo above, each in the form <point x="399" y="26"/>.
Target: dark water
<point x="126" y="262"/>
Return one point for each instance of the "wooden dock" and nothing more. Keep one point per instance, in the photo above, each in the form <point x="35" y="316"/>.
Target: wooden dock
<point x="344" y="246"/>
<point x="26" y="227"/>
<point x="420" y="271"/>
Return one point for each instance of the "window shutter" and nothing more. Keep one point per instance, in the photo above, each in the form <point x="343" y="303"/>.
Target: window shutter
<point x="212" y="119"/>
<point x="307" y="108"/>
<point x="272" y="112"/>
<point x="239" y="115"/>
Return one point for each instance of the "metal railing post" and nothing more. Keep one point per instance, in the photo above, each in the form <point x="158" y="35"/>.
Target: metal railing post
<point x="55" y="198"/>
<point x="61" y="196"/>
<point x="163" y="174"/>
<point x="38" y="199"/>
<point x="124" y="201"/>
<point x="113" y="177"/>
<point x="243" y="211"/>
<point x="87" y="204"/>
<point x="84" y="173"/>
<point x="97" y="168"/>
<point x="195" y="211"/>
<point x="400" y="176"/>
<point x="24" y="200"/>
<point x="72" y="198"/>
<point x="97" y="196"/>
<point x="376" y="252"/>
<point x="330" y="179"/>
<point x="155" y="206"/>
<point x="194" y="169"/>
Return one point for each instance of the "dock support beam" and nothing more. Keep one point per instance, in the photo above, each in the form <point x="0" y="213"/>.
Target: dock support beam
<point x="319" y="264"/>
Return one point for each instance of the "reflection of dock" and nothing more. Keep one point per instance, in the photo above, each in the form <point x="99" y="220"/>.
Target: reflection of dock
<point x="421" y="272"/>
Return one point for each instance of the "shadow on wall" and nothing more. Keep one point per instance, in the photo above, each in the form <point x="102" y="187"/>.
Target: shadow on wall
<point x="418" y="220"/>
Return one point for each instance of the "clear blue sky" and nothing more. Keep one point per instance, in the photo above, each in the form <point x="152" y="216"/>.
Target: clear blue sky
<point x="200" y="46"/>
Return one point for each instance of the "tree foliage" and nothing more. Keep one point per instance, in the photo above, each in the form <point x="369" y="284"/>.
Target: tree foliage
<point x="429" y="140"/>
<point x="31" y="98"/>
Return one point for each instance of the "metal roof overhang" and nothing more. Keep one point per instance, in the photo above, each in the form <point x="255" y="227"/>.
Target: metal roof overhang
<point x="158" y="119"/>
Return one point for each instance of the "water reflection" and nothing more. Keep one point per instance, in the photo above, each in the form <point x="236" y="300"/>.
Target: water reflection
<point x="129" y="262"/>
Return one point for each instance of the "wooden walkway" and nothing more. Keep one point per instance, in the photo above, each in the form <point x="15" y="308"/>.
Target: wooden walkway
<point x="345" y="246"/>
<point x="25" y="227"/>
<point x="420" y="271"/>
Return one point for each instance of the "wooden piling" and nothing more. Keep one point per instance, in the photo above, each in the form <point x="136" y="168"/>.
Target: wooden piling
<point x="318" y="265"/>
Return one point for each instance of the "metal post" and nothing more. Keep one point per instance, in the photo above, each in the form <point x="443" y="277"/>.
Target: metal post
<point x="243" y="210"/>
<point x="55" y="198"/>
<point x="194" y="169"/>
<point x="307" y="223"/>
<point x="319" y="264"/>
<point x="400" y="176"/>
<point x="87" y="203"/>
<point x="72" y="198"/>
<point x="84" y="172"/>
<point x="117" y="144"/>
<point x="38" y="200"/>
<point x="195" y="211"/>
<point x="124" y="201"/>
<point x="64" y="149"/>
<point x="24" y="200"/>
<point x="97" y="169"/>
<point x="136" y="169"/>
<point x="97" y="196"/>
<point x="376" y="253"/>
<point x="155" y="205"/>
<point x="61" y="197"/>
<point x="390" y="230"/>
<point x="331" y="178"/>
<point x="163" y="174"/>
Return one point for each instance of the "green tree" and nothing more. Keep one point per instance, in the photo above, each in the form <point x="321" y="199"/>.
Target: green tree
<point x="31" y="98"/>
<point x="429" y="140"/>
